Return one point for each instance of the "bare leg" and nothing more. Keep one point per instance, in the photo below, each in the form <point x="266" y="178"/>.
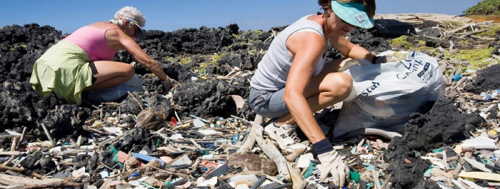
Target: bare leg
<point x="110" y="74"/>
<point x="325" y="89"/>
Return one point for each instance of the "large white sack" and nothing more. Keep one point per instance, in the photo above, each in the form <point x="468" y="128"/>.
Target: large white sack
<point x="384" y="95"/>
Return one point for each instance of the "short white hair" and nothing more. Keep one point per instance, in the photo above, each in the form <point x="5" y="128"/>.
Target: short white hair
<point x="131" y="13"/>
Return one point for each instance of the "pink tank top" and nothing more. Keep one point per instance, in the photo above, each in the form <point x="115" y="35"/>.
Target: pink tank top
<point x="93" y="41"/>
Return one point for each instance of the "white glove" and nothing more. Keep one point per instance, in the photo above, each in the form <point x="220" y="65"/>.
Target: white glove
<point x="331" y="163"/>
<point x="169" y="83"/>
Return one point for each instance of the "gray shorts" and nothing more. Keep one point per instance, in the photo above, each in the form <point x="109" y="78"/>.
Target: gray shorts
<point x="268" y="104"/>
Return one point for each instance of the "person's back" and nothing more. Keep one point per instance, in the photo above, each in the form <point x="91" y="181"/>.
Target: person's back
<point x="93" y="41"/>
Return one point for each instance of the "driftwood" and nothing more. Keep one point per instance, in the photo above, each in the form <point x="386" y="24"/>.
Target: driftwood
<point x="285" y="171"/>
<point x="419" y="18"/>
<point x="28" y="183"/>
<point x="297" y="178"/>
<point x="255" y="131"/>
<point x="12" y="153"/>
<point x="457" y="30"/>
<point x="294" y="155"/>
<point x="273" y="153"/>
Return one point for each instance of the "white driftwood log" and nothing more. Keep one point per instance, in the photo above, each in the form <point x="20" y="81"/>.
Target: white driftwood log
<point x="255" y="131"/>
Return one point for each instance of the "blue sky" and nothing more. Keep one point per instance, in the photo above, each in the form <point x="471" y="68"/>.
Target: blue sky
<point x="168" y="15"/>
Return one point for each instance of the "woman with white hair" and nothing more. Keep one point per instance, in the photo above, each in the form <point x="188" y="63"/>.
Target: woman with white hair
<point x="84" y="60"/>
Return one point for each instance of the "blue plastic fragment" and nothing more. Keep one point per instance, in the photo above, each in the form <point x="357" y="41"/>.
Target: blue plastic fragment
<point x="136" y="174"/>
<point x="457" y="77"/>
<point x="147" y="158"/>
<point x="235" y="138"/>
<point x="488" y="98"/>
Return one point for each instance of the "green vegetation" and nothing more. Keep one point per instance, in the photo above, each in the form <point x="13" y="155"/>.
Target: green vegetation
<point x="485" y="7"/>
<point x="259" y="32"/>
<point x="403" y="43"/>
<point x="214" y="59"/>
<point x="492" y="31"/>
<point x="475" y="57"/>
<point x="448" y="25"/>
<point x="185" y="60"/>
<point x="255" y="51"/>
<point x="169" y="59"/>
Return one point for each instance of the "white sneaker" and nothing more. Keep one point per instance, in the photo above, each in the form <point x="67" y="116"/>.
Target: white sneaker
<point x="285" y="135"/>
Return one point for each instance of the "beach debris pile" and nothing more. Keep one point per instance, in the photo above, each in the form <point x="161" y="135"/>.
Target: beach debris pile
<point x="202" y="134"/>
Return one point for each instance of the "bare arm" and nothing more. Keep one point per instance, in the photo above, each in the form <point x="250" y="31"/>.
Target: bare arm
<point x="349" y="49"/>
<point x="306" y="48"/>
<point x="133" y="48"/>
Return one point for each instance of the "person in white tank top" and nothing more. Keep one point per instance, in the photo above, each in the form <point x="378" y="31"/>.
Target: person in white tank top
<point x="288" y="86"/>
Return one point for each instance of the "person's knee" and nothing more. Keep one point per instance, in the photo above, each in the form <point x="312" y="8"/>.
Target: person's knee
<point x="129" y="71"/>
<point x="339" y="84"/>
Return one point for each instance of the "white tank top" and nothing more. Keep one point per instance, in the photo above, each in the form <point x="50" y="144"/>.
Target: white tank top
<point x="274" y="67"/>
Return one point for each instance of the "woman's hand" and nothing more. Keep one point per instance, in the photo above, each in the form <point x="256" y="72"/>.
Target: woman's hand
<point x="331" y="163"/>
<point x="169" y="83"/>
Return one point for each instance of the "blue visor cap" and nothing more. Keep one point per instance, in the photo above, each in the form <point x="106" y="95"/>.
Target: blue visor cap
<point x="353" y="13"/>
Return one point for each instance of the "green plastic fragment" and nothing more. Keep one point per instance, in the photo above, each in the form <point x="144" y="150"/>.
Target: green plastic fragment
<point x="355" y="176"/>
<point x="487" y="161"/>
<point x="417" y="153"/>
<point x="309" y="171"/>
<point x="438" y="150"/>
<point x="369" y="167"/>
<point x="427" y="173"/>
<point x="147" y="185"/>
<point x="158" y="142"/>
<point x="369" y="185"/>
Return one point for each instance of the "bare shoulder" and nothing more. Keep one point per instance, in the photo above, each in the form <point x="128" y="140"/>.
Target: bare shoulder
<point x="104" y="25"/>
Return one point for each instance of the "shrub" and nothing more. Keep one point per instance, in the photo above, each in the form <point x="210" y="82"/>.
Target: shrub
<point x="485" y="7"/>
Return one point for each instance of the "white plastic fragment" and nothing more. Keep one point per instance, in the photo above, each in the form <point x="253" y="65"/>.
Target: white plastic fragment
<point x="11" y="132"/>
<point x="202" y="182"/>
<point x="182" y="161"/>
<point x="470" y="184"/>
<point x="55" y="149"/>
<point x="87" y="147"/>
<point x="305" y="160"/>
<point x="243" y="178"/>
<point x="477" y="165"/>
<point x="198" y="123"/>
<point x="115" y="130"/>
<point x="176" y="137"/>
<point x="134" y="183"/>
<point x="79" y="173"/>
<point x="479" y="143"/>
<point x="496" y="153"/>
<point x="366" y="157"/>
<point x="208" y="156"/>
<point x="104" y="174"/>
<point x="435" y="161"/>
<point x="457" y="184"/>
<point x="208" y="132"/>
